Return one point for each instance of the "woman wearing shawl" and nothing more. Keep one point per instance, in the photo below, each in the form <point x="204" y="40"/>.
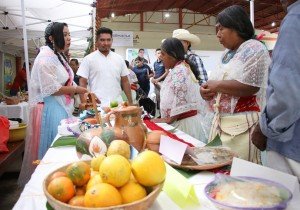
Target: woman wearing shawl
<point x="51" y="91"/>
<point x="236" y="89"/>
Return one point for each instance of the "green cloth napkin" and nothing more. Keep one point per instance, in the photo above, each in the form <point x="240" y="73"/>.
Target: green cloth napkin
<point x="179" y="189"/>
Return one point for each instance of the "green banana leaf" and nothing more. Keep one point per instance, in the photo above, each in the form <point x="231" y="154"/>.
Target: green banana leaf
<point x="65" y="141"/>
<point x="215" y="142"/>
<point x="49" y="207"/>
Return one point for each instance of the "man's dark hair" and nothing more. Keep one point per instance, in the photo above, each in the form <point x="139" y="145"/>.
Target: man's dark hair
<point x="141" y="50"/>
<point x="75" y="60"/>
<point x="104" y="30"/>
<point x="158" y="49"/>
<point x="235" y="17"/>
<point x="139" y="59"/>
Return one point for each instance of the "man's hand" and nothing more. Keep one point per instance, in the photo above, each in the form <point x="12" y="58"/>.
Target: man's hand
<point x="258" y="138"/>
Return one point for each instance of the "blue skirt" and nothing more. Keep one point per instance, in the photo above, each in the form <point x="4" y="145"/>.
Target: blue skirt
<point x="53" y="113"/>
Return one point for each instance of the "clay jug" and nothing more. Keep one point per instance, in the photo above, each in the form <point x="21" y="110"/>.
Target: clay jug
<point x="128" y="119"/>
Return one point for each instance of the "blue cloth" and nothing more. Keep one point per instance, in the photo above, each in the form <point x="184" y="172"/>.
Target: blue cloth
<point x="159" y="69"/>
<point x="53" y="113"/>
<point x="280" y="121"/>
<point x="142" y="76"/>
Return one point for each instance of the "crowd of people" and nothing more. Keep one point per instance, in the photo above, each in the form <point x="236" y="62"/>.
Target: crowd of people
<point x="247" y="98"/>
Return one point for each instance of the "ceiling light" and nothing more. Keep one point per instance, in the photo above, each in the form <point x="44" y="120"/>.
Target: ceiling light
<point x="112" y="14"/>
<point x="167" y="15"/>
<point x="273" y="24"/>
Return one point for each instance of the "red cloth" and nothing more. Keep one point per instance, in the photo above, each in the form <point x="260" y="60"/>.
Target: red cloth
<point x="4" y="130"/>
<point x="20" y="80"/>
<point x="246" y="104"/>
<point x="187" y="114"/>
<point x="154" y="126"/>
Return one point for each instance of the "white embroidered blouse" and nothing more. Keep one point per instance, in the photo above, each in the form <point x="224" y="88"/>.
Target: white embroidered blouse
<point x="47" y="77"/>
<point x="179" y="92"/>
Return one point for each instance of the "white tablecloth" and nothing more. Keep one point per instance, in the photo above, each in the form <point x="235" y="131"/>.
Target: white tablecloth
<point x="20" y="110"/>
<point x="33" y="198"/>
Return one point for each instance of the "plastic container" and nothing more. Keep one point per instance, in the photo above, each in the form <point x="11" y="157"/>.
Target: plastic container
<point x="17" y="134"/>
<point x="284" y="193"/>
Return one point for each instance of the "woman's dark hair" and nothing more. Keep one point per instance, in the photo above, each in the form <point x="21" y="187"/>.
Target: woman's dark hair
<point x="55" y="29"/>
<point x="174" y="48"/>
<point x="235" y="17"/>
<point x="127" y="63"/>
<point x="104" y="30"/>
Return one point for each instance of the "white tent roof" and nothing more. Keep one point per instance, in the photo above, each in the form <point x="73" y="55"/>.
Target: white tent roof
<point x="76" y="13"/>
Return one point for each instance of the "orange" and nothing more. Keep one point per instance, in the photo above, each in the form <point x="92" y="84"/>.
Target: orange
<point x="79" y="173"/>
<point x="102" y="195"/>
<point x="57" y="174"/>
<point x="149" y="168"/>
<point x="132" y="191"/>
<point x="77" y="200"/>
<point x="80" y="190"/>
<point x="119" y="147"/>
<point x="115" y="170"/>
<point x="61" y="188"/>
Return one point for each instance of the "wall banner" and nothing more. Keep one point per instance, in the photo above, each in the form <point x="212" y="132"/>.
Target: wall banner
<point x="122" y="39"/>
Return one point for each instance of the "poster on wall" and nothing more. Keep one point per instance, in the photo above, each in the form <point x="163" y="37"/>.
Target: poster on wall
<point x="149" y="54"/>
<point x="8" y="74"/>
<point x="123" y="39"/>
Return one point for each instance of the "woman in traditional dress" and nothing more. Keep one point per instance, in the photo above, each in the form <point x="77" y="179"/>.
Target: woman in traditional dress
<point x="236" y="88"/>
<point x="51" y="91"/>
<point x="180" y="99"/>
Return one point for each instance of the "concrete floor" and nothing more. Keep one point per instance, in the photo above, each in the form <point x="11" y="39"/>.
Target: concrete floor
<point x="9" y="190"/>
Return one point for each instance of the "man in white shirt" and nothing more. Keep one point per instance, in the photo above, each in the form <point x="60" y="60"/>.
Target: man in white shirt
<point x="105" y="71"/>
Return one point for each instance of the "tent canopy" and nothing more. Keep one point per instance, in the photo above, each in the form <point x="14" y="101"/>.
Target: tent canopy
<point x="77" y="14"/>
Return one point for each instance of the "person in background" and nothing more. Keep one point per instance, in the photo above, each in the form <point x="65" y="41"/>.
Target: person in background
<point x="279" y="127"/>
<point x="143" y="73"/>
<point x="160" y="74"/>
<point x="187" y="39"/>
<point x="141" y="54"/>
<point x="133" y="81"/>
<point x="75" y="65"/>
<point x="105" y="71"/>
<point x="236" y="88"/>
<point x="51" y="96"/>
<point x="180" y="100"/>
<point x="20" y="81"/>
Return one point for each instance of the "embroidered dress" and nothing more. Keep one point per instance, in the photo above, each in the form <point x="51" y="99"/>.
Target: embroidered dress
<point x="180" y="96"/>
<point x="248" y="65"/>
<point x="47" y="77"/>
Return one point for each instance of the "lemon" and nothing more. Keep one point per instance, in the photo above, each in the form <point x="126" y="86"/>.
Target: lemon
<point x="96" y="162"/>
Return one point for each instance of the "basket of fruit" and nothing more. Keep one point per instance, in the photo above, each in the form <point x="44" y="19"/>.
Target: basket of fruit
<point x="107" y="182"/>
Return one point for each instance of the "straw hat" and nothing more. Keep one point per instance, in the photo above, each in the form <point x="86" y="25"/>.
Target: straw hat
<point x="185" y="35"/>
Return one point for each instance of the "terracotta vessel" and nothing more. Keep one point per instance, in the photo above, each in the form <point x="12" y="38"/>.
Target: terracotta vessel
<point x="128" y="120"/>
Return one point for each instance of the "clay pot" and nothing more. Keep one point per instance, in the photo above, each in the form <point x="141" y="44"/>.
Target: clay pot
<point x="153" y="140"/>
<point x="128" y="121"/>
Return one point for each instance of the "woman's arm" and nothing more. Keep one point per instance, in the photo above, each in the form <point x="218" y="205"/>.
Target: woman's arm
<point x="70" y="90"/>
<point x="167" y="120"/>
<point x="231" y="87"/>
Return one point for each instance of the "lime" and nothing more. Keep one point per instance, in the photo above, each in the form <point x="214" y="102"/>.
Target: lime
<point x="114" y="104"/>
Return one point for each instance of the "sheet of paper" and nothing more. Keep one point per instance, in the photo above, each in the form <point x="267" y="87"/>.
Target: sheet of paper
<point x="172" y="149"/>
<point x="179" y="189"/>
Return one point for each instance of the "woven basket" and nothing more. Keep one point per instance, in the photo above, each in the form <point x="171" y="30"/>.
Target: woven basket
<point x="142" y="204"/>
<point x="17" y="134"/>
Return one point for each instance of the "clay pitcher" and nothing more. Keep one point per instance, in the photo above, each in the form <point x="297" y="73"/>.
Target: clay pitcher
<point x="128" y="119"/>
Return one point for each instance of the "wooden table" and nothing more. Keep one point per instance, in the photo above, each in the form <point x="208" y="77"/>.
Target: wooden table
<point x="16" y="150"/>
